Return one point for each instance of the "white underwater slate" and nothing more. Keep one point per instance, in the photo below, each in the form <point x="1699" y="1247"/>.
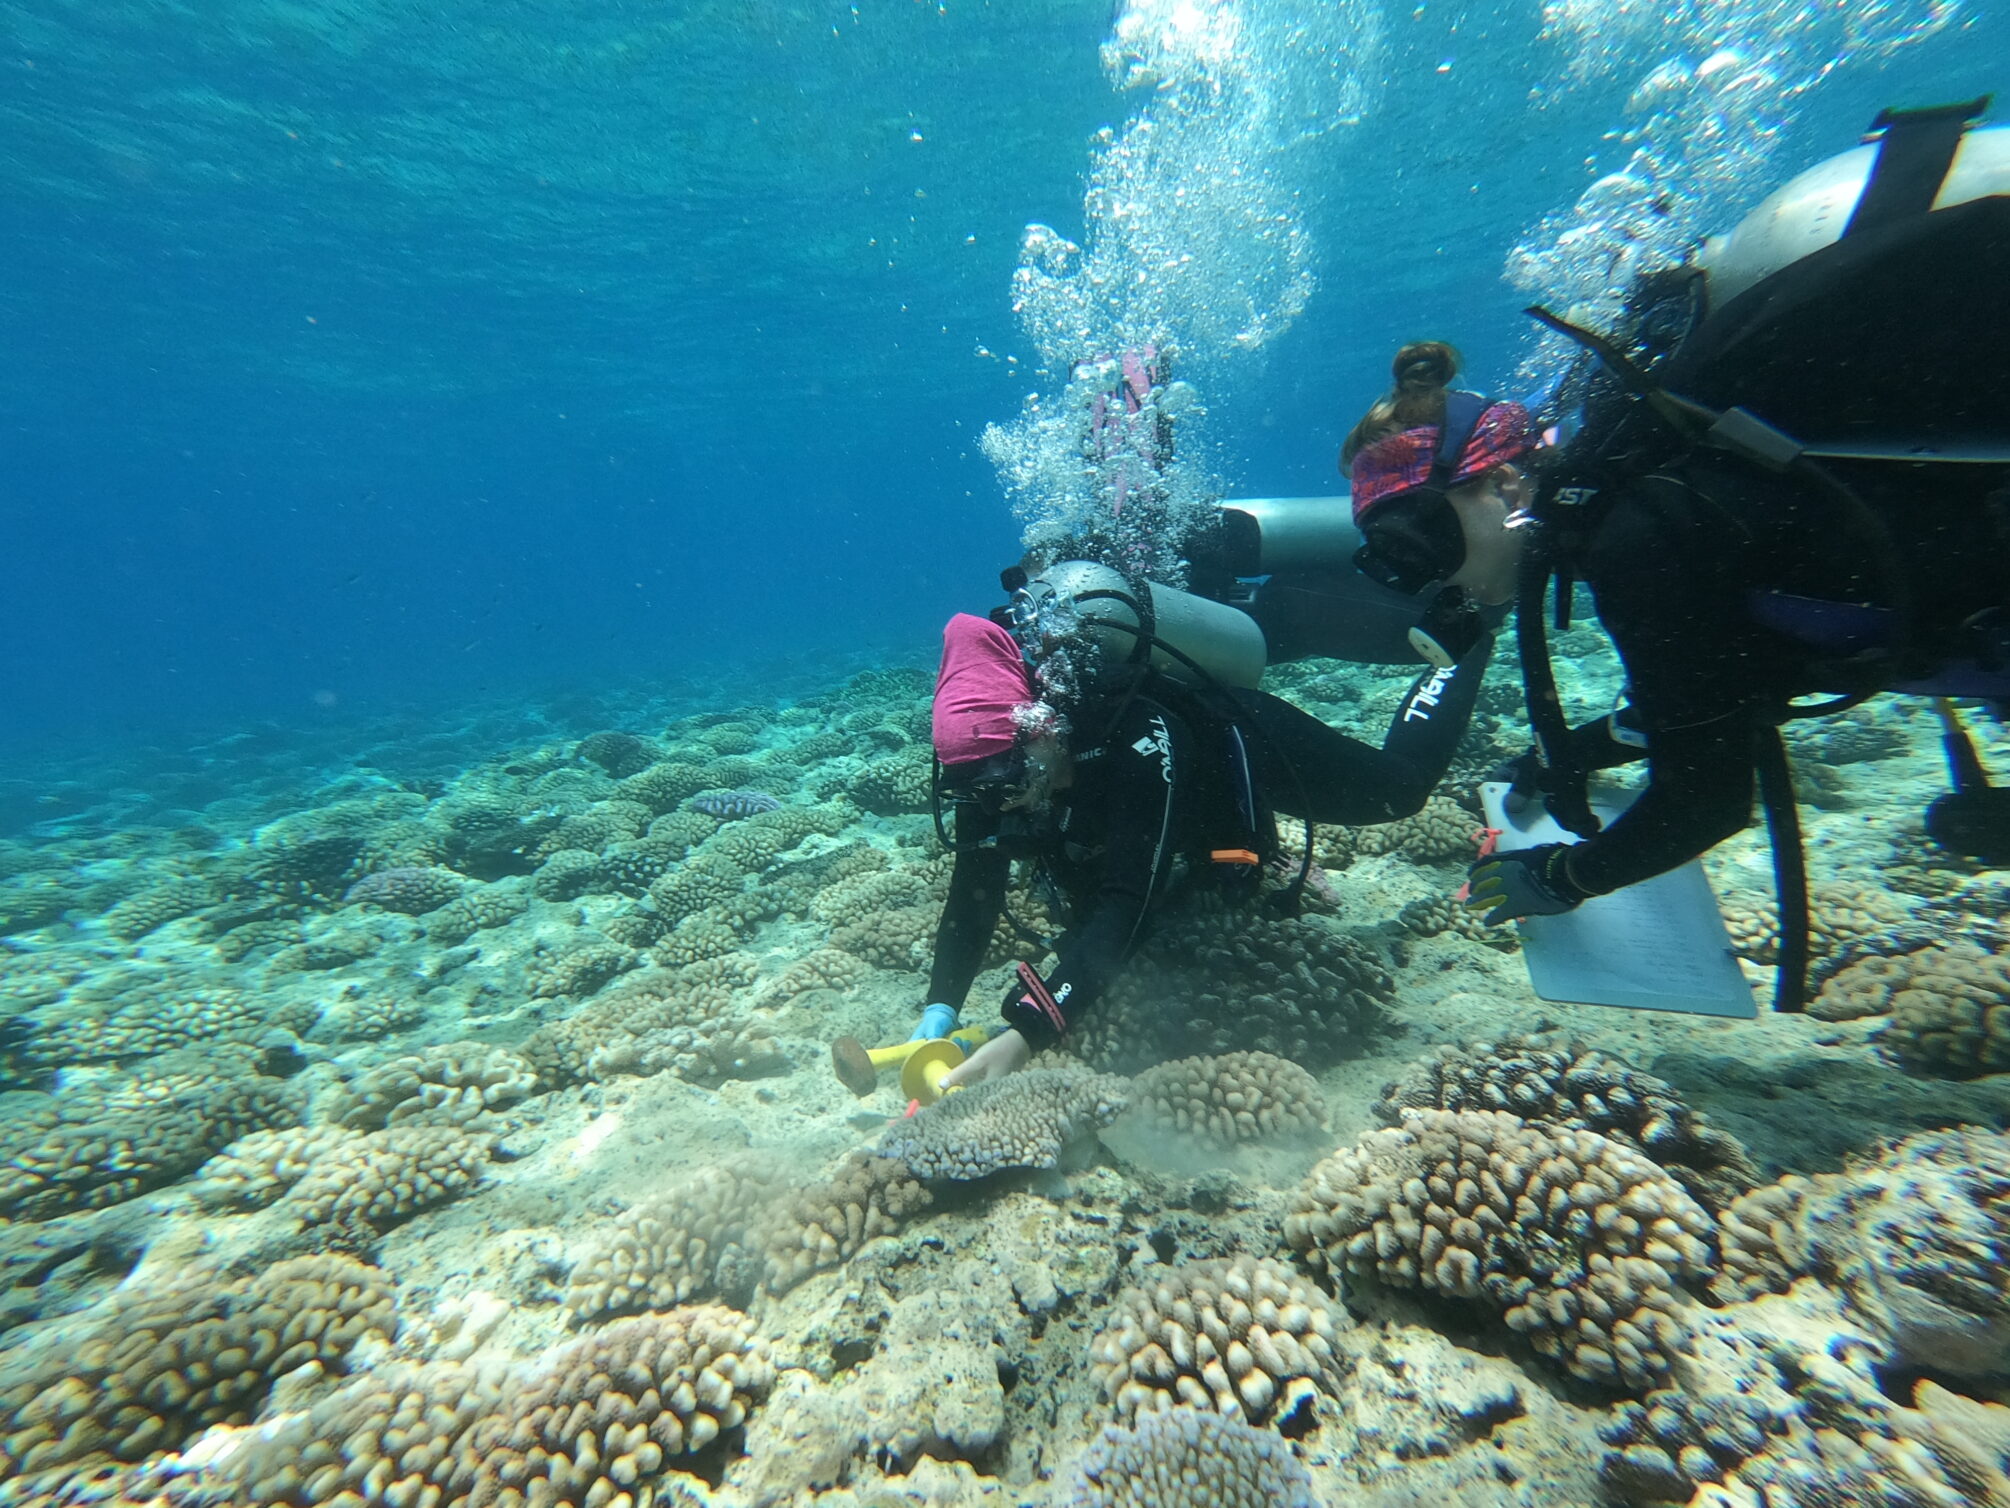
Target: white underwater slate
<point x="1660" y="945"/>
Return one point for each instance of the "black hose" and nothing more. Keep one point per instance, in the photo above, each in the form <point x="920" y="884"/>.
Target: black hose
<point x="1564" y="775"/>
<point x="1790" y="869"/>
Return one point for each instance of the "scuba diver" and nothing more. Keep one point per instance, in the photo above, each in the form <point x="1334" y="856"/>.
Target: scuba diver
<point x="1790" y="481"/>
<point x="1107" y="733"/>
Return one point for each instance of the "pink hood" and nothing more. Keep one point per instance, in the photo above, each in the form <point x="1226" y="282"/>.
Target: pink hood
<point x="982" y="682"/>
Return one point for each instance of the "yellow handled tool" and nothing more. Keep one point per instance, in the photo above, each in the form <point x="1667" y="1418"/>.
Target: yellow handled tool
<point x="858" y="1066"/>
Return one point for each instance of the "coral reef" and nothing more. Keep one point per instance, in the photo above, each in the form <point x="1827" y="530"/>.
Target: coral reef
<point x="160" y="1362"/>
<point x="1234" y="1097"/>
<point x="1441" y="832"/>
<point x="566" y="874"/>
<point x="1025" y="1121"/>
<point x="1779" y="1401"/>
<point x="147" y="1015"/>
<point x="632" y="866"/>
<point x="135" y="917"/>
<point x="705" y="879"/>
<point x="1435" y="915"/>
<point x="347" y="1187"/>
<point x="532" y="1011"/>
<point x="450" y="1084"/>
<point x="898" y="939"/>
<point x="730" y="806"/>
<point x="697" y="1239"/>
<point x="691" y="1021"/>
<point x="1569" y="1084"/>
<point x="823" y="969"/>
<point x="1914" y="1236"/>
<point x="733" y="1231"/>
<point x="888" y="787"/>
<point x="1234" y="1335"/>
<point x="665" y="786"/>
<point x="410" y="889"/>
<point x="577" y="971"/>
<point x="617" y="753"/>
<point x="369" y="1019"/>
<point x="1862" y="987"/>
<point x="825" y="1224"/>
<point x="1190" y="1458"/>
<point x="1839" y="913"/>
<point x="1951" y="1013"/>
<point x="1214" y="979"/>
<point x="477" y="910"/>
<point x="1577" y="1240"/>
<point x="587" y="1425"/>
<point x="1851" y="739"/>
<point x="133" y="1133"/>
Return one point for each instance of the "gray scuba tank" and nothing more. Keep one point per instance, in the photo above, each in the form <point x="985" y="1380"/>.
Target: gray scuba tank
<point x="1081" y="601"/>
<point x="1811" y="212"/>
<point x="1263" y="535"/>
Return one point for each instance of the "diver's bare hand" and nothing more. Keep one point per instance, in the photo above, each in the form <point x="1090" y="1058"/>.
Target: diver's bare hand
<point x="1005" y="1053"/>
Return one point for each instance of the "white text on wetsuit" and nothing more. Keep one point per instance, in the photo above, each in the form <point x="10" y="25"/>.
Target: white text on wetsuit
<point x="1427" y="696"/>
<point x="1159" y="742"/>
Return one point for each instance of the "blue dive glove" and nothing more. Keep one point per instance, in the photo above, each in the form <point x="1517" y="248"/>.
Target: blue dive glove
<point x="937" y="1020"/>
<point x="1527" y="882"/>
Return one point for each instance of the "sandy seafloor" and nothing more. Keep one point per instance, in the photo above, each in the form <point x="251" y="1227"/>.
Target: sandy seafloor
<point x="456" y="1064"/>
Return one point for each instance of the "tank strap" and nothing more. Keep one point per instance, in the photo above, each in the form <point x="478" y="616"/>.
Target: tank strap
<point x="1915" y="148"/>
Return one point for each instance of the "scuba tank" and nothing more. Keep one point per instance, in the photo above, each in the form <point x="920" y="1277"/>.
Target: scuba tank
<point x="1080" y="604"/>
<point x="1822" y="205"/>
<point x="1316" y="601"/>
<point x="1087" y="629"/>
<point x="1262" y="535"/>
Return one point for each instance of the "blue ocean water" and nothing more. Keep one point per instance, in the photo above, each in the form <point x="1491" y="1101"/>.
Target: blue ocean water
<point x="481" y="487"/>
<point x="368" y="355"/>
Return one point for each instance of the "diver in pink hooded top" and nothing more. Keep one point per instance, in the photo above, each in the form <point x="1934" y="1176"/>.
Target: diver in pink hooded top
<point x="1121" y="798"/>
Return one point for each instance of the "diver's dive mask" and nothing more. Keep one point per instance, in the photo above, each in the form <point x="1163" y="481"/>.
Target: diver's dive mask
<point x="1413" y="543"/>
<point x="991" y="786"/>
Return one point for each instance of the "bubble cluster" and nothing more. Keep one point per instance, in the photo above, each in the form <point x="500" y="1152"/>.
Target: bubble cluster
<point x="1194" y="243"/>
<point x="1718" y="87"/>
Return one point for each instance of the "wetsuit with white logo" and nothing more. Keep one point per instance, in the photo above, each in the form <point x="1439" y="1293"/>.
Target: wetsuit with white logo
<point x="1154" y="787"/>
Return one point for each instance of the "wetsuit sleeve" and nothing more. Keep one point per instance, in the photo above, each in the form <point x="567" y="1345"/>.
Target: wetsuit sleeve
<point x="976" y="899"/>
<point x="1308" y="769"/>
<point x="1667" y="577"/>
<point x="1138" y="784"/>
<point x="1699" y="792"/>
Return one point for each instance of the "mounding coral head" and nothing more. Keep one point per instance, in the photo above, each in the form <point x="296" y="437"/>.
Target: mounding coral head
<point x="730" y="806"/>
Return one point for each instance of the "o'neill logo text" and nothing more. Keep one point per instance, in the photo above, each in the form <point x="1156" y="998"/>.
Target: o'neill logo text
<point x="1427" y="696"/>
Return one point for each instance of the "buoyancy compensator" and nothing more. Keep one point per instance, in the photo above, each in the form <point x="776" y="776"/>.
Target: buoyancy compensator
<point x="1856" y="315"/>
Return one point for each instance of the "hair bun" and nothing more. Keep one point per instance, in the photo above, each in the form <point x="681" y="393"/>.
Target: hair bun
<point x="1425" y="364"/>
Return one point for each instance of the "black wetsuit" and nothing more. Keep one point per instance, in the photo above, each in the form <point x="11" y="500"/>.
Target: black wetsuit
<point x="1157" y="786"/>
<point x="1728" y="590"/>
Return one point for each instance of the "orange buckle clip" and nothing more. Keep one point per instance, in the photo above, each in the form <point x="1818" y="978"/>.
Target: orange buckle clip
<point x="1488" y="839"/>
<point x="1233" y="856"/>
